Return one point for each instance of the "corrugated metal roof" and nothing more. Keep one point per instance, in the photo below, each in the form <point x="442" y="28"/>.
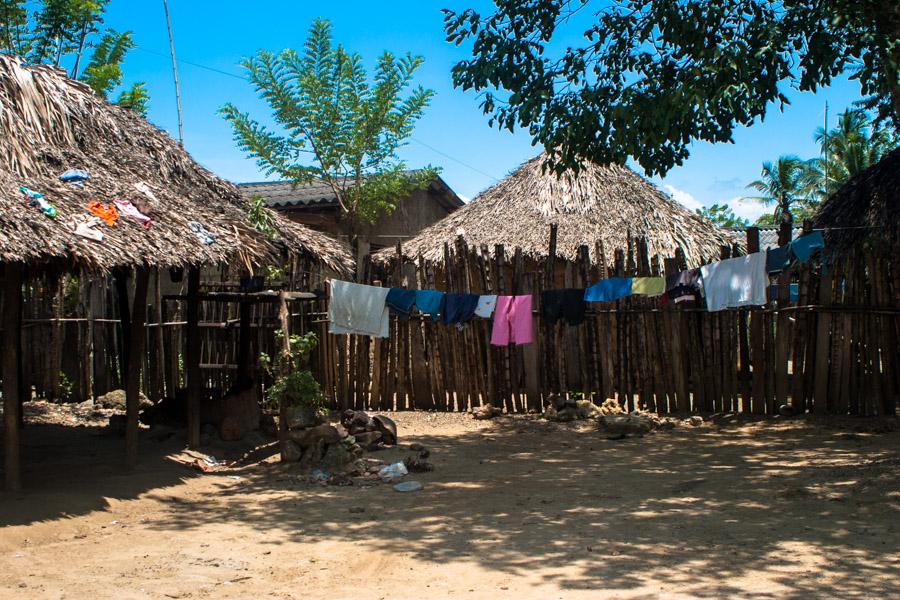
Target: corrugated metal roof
<point x="768" y="236"/>
<point x="283" y="193"/>
<point x="277" y="194"/>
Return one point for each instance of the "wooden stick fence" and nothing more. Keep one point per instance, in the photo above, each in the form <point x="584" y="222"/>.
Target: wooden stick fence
<point x="833" y="351"/>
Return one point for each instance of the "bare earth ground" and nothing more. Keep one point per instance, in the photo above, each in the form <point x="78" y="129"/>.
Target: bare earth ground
<point x="516" y="508"/>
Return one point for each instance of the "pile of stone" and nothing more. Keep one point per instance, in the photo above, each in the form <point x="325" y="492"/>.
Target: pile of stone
<point x="619" y="426"/>
<point x="562" y="409"/>
<point x="314" y="443"/>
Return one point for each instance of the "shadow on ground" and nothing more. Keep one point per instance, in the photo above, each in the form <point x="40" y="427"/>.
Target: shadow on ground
<point x="704" y="510"/>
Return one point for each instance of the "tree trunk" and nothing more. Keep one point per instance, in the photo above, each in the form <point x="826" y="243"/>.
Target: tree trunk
<point x="786" y="226"/>
<point x="84" y="34"/>
<point x="12" y="330"/>
<point x="285" y="321"/>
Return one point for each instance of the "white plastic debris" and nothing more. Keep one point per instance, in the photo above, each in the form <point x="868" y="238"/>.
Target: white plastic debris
<point x="394" y="471"/>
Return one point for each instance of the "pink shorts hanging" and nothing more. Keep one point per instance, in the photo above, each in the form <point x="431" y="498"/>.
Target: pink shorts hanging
<point x="512" y="321"/>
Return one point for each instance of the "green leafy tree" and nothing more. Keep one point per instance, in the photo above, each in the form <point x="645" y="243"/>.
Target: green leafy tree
<point x="14" y="34"/>
<point x="766" y="220"/>
<point x="336" y="125"/>
<point x="63" y="26"/>
<point x="87" y="16"/>
<point x="785" y="183"/>
<point x="136" y="99"/>
<point x="721" y="215"/>
<point x="652" y="76"/>
<point x="104" y="71"/>
<point x="853" y="146"/>
<point x="260" y="216"/>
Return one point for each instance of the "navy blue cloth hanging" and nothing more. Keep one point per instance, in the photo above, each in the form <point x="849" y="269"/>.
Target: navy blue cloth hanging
<point x="401" y="301"/>
<point x="459" y="308"/>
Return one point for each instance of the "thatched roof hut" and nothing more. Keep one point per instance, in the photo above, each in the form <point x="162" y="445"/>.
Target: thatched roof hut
<point x="50" y="123"/>
<point x="865" y="209"/>
<point x="300" y="240"/>
<point x="600" y="203"/>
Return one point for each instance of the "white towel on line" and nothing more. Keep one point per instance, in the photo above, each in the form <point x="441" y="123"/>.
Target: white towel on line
<point x="358" y="309"/>
<point x="735" y="282"/>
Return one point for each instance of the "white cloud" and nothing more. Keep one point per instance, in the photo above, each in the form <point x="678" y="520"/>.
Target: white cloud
<point x="683" y="198"/>
<point x="748" y="209"/>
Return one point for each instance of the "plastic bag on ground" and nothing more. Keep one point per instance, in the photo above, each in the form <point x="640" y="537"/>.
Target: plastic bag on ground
<point x="394" y="471"/>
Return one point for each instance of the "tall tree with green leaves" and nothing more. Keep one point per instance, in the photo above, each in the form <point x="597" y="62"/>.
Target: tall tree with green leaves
<point x="335" y="125"/>
<point x="721" y="215"/>
<point x="62" y="27"/>
<point x="88" y="15"/>
<point x="652" y="76"/>
<point x="786" y="184"/>
<point x="14" y="34"/>
<point x="104" y="71"/>
<point x="854" y="145"/>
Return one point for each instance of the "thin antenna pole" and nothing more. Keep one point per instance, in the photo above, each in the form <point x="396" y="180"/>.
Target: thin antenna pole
<point x="175" y="75"/>
<point x="825" y="151"/>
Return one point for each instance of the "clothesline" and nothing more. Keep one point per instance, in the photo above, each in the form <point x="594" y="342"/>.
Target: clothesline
<point x="731" y="283"/>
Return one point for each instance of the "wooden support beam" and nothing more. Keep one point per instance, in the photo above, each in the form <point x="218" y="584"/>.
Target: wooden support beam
<point x="243" y="356"/>
<point x="284" y="317"/>
<point x="132" y="377"/>
<point x="12" y="315"/>
<point x="192" y="356"/>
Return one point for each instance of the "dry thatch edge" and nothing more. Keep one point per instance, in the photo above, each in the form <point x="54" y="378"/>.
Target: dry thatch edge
<point x="49" y="123"/>
<point x="601" y="203"/>
<point x="865" y="209"/>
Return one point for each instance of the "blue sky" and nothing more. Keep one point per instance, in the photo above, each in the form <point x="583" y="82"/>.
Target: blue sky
<point x="453" y="135"/>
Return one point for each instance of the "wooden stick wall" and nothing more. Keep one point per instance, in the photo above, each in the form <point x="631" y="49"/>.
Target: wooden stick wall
<point x="833" y="351"/>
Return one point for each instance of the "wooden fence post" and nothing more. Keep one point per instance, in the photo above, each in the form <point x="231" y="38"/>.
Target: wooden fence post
<point x="192" y="356"/>
<point x="132" y="377"/>
<point x="12" y="331"/>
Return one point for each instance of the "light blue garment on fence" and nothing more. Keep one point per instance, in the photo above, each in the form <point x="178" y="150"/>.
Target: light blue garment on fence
<point x="805" y="246"/>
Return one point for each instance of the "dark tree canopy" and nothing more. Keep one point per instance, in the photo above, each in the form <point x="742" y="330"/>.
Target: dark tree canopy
<point x="654" y="75"/>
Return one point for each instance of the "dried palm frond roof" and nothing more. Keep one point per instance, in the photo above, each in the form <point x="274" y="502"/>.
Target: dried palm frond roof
<point x="301" y="240"/>
<point x="599" y="203"/>
<point x="865" y="208"/>
<point x="50" y="123"/>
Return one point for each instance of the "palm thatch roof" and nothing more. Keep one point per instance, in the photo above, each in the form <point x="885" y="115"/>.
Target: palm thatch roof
<point x="50" y="123"/>
<point x="600" y="203"/>
<point x="302" y="241"/>
<point x="866" y="208"/>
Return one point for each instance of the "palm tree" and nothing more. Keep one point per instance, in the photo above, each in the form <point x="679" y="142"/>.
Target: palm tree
<point x="852" y="147"/>
<point x="787" y="184"/>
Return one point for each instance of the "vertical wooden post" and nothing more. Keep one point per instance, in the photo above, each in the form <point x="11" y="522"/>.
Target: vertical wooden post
<point x="120" y="279"/>
<point x="137" y="338"/>
<point x="192" y="356"/>
<point x="12" y="329"/>
<point x="284" y="318"/>
<point x="243" y="357"/>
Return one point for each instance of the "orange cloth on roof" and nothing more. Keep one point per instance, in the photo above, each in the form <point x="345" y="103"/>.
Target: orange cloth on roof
<point x="107" y="212"/>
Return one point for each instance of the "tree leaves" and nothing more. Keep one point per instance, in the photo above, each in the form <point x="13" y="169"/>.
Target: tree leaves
<point x="104" y="71"/>
<point x="334" y="123"/>
<point x="652" y="76"/>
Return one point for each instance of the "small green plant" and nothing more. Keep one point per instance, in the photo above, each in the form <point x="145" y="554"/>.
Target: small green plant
<point x="260" y="216"/>
<point x="274" y="273"/>
<point x="65" y="387"/>
<point x="294" y="383"/>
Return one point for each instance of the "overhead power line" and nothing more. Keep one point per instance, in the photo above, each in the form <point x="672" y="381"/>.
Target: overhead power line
<point x="243" y="78"/>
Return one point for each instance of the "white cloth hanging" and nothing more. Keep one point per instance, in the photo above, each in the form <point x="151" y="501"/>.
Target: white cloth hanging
<point x="735" y="282"/>
<point x="358" y="309"/>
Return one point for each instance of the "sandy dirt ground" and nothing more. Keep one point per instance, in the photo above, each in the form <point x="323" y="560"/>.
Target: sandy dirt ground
<point x="516" y="508"/>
